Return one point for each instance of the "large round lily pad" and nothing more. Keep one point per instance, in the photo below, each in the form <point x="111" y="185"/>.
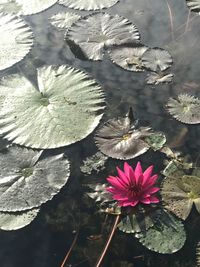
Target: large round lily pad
<point x="25" y="182"/>
<point x="67" y="107"/>
<point x="88" y="4"/>
<point x="186" y="108"/>
<point x="166" y="236"/>
<point x="25" y="7"/>
<point x="64" y="20"/>
<point x="17" y="220"/>
<point x="16" y="40"/>
<point x="96" y="32"/>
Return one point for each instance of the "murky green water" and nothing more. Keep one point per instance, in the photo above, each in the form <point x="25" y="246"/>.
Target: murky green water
<point x="45" y="241"/>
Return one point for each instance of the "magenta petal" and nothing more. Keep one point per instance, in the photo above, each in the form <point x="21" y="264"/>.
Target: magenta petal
<point x="154" y="199"/>
<point x="145" y="201"/>
<point x="120" y="197"/>
<point x="151" y="181"/>
<point x="153" y="190"/>
<point x="122" y="176"/>
<point x="128" y="203"/>
<point x="138" y="172"/>
<point x="115" y="182"/>
<point x="129" y="171"/>
<point x="147" y="174"/>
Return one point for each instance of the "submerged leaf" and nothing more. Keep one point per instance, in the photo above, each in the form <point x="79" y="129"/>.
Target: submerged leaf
<point x="89" y="4"/>
<point x="68" y="107"/>
<point x="16" y="40"/>
<point x="159" y="78"/>
<point x="185" y="108"/>
<point x="122" y="139"/>
<point x="64" y="20"/>
<point x="139" y="220"/>
<point x="25" y="182"/>
<point x="96" y="32"/>
<point x="156" y="59"/>
<point x="194" y="5"/>
<point x="167" y="236"/>
<point x="128" y="58"/>
<point x="25" y="7"/>
<point x="17" y="220"/>
<point x="156" y="140"/>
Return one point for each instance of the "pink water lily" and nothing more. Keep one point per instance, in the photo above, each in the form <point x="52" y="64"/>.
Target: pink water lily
<point x="132" y="187"/>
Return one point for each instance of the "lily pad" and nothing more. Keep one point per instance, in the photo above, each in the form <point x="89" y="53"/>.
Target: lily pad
<point x="156" y="140"/>
<point x="122" y="139"/>
<point x="128" y="58"/>
<point x="194" y="5"/>
<point x="156" y="59"/>
<point x="24" y="7"/>
<point x="185" y="108"/>
<point x="100" y="194"/>
<point x="89" y="4"/>
<point x="67" y="107"/>
<point x="167" y="236"/>
<point x="16" y="40"/>
<point x="159" y="78"/>
<point x="179" y="194"/>
<point x="17" y="220"/>
<point x="97" y="32"/>
<point x="64" y="20"/>
<point x="25" y="182"/>
<point x="139" y="220"/>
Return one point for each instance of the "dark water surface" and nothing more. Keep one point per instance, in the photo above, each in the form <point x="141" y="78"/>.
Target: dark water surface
<point x="45" y="242"/>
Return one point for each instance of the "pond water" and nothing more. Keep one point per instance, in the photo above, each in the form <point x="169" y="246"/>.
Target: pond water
<point x="165" y="24"/>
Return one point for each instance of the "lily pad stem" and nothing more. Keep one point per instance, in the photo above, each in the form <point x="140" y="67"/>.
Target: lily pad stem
<point x="98" y="264"/>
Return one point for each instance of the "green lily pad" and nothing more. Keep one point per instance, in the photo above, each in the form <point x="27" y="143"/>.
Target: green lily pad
<point x="26" y="182"/>
<point x="88" y="4"/>
<point x="167" y="236"/>
<point x="16" y="40"/>
<point x="66" y="109"/>
<point x="139" y="220"/>
<point x="97" y="32"/>
<point x="17" y="220"/>
<point x="64" y="20"/>
<point x="24" y="7"/>
<point x="156" y="141"/>
<point x="186" y="108"/>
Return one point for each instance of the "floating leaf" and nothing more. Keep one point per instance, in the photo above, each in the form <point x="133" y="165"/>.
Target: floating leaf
<point x="179" y="194"/>
<point x="156" y="59"/>
<point x="166" y="236"/>
<point x="159" y="78"/>
<point x="16" y="40"/>
<point x="156" y="140"/>
<point x="67" y="107"/>
<point x="25" y="182"/>
<point x="194" y="5"/>
<point x="100" y="193"/>
<point x="94" y="163"/>
<point x="128" y="58"/>
<point x="25" y="7"/>
<point x="96" y="32"/>
<point x="185" y="108"/>
<point x="16" y="220"/>
<point x="139" y="220"/>
<point x="122" y="139"/>
<point x="64" y="20"/>
<point x="89" y="4"/>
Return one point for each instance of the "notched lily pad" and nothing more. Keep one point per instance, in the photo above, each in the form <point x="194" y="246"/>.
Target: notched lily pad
<point x="122" y="138"/>
<point x="16" y="40"/>
<point x="167" y="236"/>
<point x="159" y="78"/>
<point x="16" y="220"/>
<point x="64" y="20"/>
<point x="156" y="59"/>
<point x="185" y="108"/>
<point x="139" y="220"/>
<point x="89" y="4"/>
<point x="25" y="182"/>
<point x="67" y="107"/>
<point x="128" y="58"/>
<point x="24" y="7"/>
<point x="156" y="140"/>
<point x="194" y="5"/>
<point x="97" y="32"/>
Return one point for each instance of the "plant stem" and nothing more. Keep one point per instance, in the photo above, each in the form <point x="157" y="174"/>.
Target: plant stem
<point x="69" y="251"/>
<point x="98" y="264"/>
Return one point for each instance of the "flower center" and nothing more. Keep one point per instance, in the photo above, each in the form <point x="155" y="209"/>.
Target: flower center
<point x="134" y="190"/>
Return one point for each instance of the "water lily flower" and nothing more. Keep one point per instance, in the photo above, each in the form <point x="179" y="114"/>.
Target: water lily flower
<point x="132" y="187"/>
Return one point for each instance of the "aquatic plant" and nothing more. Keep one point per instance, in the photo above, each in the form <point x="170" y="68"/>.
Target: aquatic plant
<point x="133" y="186"/>
<point x="89" y="4"/>
<point x="64" y="20"/>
